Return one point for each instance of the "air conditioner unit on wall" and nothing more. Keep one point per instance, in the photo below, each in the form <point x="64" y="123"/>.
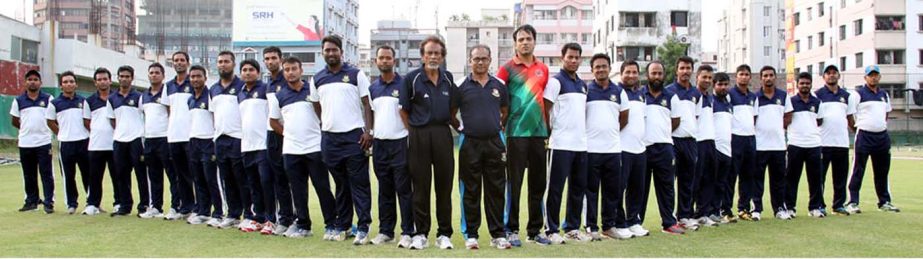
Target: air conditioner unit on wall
<point x="684" y="39"/>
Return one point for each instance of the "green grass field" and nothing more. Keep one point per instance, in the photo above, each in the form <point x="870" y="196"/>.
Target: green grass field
<point x="870" y="234"/>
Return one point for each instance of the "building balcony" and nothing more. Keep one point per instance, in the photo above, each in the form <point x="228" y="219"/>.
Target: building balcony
<point x="890" y="39"/>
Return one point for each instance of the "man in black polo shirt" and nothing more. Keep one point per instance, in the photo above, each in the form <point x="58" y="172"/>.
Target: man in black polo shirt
<point x="484" y="104"/>
<point x="425" y="99"/>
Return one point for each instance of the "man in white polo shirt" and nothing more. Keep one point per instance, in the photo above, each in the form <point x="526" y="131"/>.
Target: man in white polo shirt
<point x="661" y="118"/>
<point x="226" y="109"/>
<point x="272" y="58"/>
<point x="28" y="115"/>
<point x="724" y="165"/>
<point x="96" y="116"/>
<point x="772" y="104"/>
<point x="704" y="184"/>
<point x="837" y="107"/>
<point x="127" y="150"/>
<point x="65" y="118"/>
<point x="201" y="149"/>
<point x="156" y="149"/>
<point x="872" y="140"/>
<point x="178" y="92"/>
<point x="743" y="141"/>
<point x="254" y="115"/>
<point x="634" y="161"/>
<point x="301" y="149"/>
<point x="685" y="147"/>
<point x="607" y="114"/>
<point x="341" y="101"/>
<point x="804" y="148"/>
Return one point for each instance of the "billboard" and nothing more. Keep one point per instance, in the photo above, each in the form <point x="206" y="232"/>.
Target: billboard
<point x="278" y="22"/>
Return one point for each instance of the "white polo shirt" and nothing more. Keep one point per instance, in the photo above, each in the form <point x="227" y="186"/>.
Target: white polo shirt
<point x="225" y="108"/>
<point x="686" y="108"/>
<point x="632" y="136"/>
<point x="873" y="109"/>
<point x="155" y="114"/>
<point x="834" y="108"/>
<point x="301" y="134"/>
<point x="706" y="117"/>
<point x="744" y="106"/>
<point x="568" y="114"/>
<point x="96" y="110"/>
<point x="254" y="116"/>
<point x="803" y="132"/>
<point x="68" y="113"/>
<point x="603" y="107"/>
<point x="177" y="98"/>
<point x="129" y="120"/>
<point x="385" y="104"/>
<point x="770" y="127"/>
<point x="33" y="129"/>
<point x="659" y="115"/>
<point x="202" y="120"/>
<point x="340" y="95"/>
<point x="724" y="117"/>
<point x="273" y="86"/>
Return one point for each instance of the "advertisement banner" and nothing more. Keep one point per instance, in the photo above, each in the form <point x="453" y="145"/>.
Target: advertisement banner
<point x="278" y="22"/>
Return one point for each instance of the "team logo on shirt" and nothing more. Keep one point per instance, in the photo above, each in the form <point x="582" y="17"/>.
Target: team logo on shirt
<point x="812" y="108"/>
<point x="446" y="93"/>
<point x="214" y="158"/>
<point x="186" y="89"/>
<point x="779" y="102"/>
<point x="131" y="102"/>
<point x="41" y="103"/>
<point x="663" y="103"/>
<point x="425" y="95"/>
<point x="693" y="99"/>
<point x="256" y="94"/>
<point x="232" y="91"/>
<point x="395" y="93"/>
<point x="613" y="98"/>
<point x="201" y="105"/>
<point x="141" y="158"/>
<point x="496" y="93"/>
<point x="346" y="79"/>
<point x="158" y="100"/>
<point x="842" y="100"/>
<point x="751" y="102"/>
<point x="642" y="98"/>
<point x="882" y="98"/>
<point x="79" y="105"/>
<point x="278" y="87"/>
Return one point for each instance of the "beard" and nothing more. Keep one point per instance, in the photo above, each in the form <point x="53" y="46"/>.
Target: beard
<point x="386" y="69"/>
<point x="432" y="65"/>
<point x="226" y="74"/>
<point x="333" y="62"/>
<point x="656" y="85"/>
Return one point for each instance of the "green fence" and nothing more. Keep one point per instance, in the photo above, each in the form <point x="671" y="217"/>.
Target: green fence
<point x="7" y="131"/>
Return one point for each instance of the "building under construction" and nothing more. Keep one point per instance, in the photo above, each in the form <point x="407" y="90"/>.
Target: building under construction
<point x="109" y="24"/>
<point x="202" y="28"/>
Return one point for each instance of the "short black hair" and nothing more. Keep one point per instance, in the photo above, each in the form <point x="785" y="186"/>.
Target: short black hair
<point x="648" y="67"/>
<point x="705" y="68"/>
<point x="685" y="59"/>
<point x="525" y="27"/>
<point x="273" y="49"/>
<point x="335" y="39"/>
<point x="199" y="68"/>
<point x="744" y="67"/>
<point x="102" y="70"/>
<point x="251" y="62"/>
<point x="480" y="46"/>
<point x="600" y="56"/>
<point x="157" y="65"/>
<point x="805" y="75"/>
<point x="67" y="73"/>
<point x="33" y="72"/>
<point x="722" y="77"/>
<point x="128" y="69"/>
<point x="573" y="46"/>
<point x="227" y="52"/>
<point x="292" y="60"/>
<point x="629" y="62"/>
<point x="434" y="39"/>
<point x="385" y="47"/>
<point x="185" y="55"/>
<point x="768" y="68"/>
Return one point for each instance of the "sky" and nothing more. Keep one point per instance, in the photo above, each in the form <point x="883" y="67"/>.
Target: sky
<point x="371" y="11"/>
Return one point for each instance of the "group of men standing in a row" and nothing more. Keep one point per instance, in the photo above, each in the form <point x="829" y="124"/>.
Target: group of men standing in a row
<point x="252" y="146"/>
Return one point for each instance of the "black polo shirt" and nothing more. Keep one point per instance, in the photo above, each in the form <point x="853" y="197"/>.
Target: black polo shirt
<point x="480" y="106"/>
<point x="428" y="102"/>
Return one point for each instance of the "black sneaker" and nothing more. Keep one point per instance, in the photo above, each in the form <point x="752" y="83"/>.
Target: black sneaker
<point x="840" y="211"/>
<point x="49" y="209"/>
<point x="28" y="207"/>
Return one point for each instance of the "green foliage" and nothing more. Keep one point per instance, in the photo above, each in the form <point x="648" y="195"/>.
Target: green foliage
<point x="668" y="53"/>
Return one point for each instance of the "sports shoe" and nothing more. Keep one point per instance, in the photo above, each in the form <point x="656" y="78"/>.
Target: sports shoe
<point x="500" y="243"/>
<point x="470" y="244"/>
<point x="689" y="224"/>
<point x="755" y="216"/>
<point x="706" y="221"/>
<point x="729" y="219"/>
<point x="362" y="238"/>
<point x="783" y="215"/>
<point x="297" y="232"/>
<point x="443" y="242"/>
<point x="540" y="239"/>
<point x="638" y="231"/>
<point x="888" y="207"/>
<point x="792" y="214"/>
<point x="419" y="242"/>
<point x="576" y="235"/>
<point x="267" y="229"/>
<point x="513" y="237"/>
<point x="279" y="229"/>
<point x="328" y="234"/>
<point x="675" y="229"/>
<point x="228" y="223"/>
<point x="405" y="241"/>
<point x="119" y="213"/>
<point x="197" y="220"/>
<point x="71" y="210"/>
<point x="853" y="208"/>
<point x="172" y="215"/>
<point x="90" y="210"/>
<point x="619" y="233"/>
<point x="213" y="222"/>
<point x="816" y="213"/>
<point x="250" y="226"/>
<point x="381" y="239"/>
<point x="338" y="235"/>
<point x="717" y="219"/>
<point x="595" y="236"/>
<point x="743" y="215"/>
<point x="151" y="213"/>
<point x="840" y="212"/>
<point x="28" y="207"/>
<point x="49" y="209"/>
<point x="556" y="239"/>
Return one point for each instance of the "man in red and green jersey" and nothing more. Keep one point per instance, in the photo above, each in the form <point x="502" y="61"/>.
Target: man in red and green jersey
<point x="527" y="131"/>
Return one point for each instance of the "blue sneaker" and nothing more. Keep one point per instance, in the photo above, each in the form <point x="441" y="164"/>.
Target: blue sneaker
<point x="513" y="238"/>
<point x="540" y="239"/>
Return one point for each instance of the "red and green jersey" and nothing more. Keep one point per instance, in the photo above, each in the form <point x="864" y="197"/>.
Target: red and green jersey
<point x="526" y="86"/>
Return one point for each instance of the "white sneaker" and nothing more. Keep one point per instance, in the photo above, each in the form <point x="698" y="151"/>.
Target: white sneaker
<point x="623" y="233"/>
<point x="249" y="226"/>
<point x="362" y="238"/>
<point x="419" y="243"/>
<point x="501" y="243"/>
<point x="328" y="234"/>
<point x="243" y="223"/>
<point x="228" y="223"/>
<point x="689" y="224"/>
<point x="816" y="213"/>
<point x="296" y="232"/>
<point x="755" y="216"/>
<point x="214" y="222"/>
<point x="381" y="239"/>
<point x="279" y="229"/>
<point x="576" y="236"/>
<point x="556" y="239"/>
<point x="594" y="235"/>
<point x="706" y="221"/>
<point x="783" y="215"/>
<point x="338" y="236"/>
<point x="172" y="215"/>
<point x="638" y="231"/>
<point x="196" y="220"/>
<point x="470" y="244"/>
<point x="405" y="241"/>
<point x="152" y="213"/>
<point x="90" y="210"/>
<point x="792" y="214"/>
<point x="443" y="242"/>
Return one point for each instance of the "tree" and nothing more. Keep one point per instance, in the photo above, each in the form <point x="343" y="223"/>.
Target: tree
<point x="669" y="53"/>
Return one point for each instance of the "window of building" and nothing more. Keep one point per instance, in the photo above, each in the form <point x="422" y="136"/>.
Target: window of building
<point x="568" y="13"/>
<point x="586" y="38"/>
<point x="797" y="18"/>
<point x="810" y="13"/>
<point x="842" y="32"/>
<point x="894" y="90"/>
<point x="767" y="50"/>
<point x="820" y="39"/>
<point x="633" y="20"/>
<point x="639" y="53"/>
<point x="859" y="60"/>
<point x="586" y="15"/>
<point x="857" y="24"/>
<point x="679" y="18"/>
<point x="568" y="37"/>
<point x="305" y="57"/>
<point x="890" y="57"/>
<point x="767" y="10"/>
<point x="811" y="69"/>
<point x="921" y="60"/>
<point x="24" y="50"/>
<point x="842" y="4"/>
<point x="920" y="23"/>
<point x="889" y="23"/>
<point x="843" y="62"/>
<point x="797" y="46"/>
<point x="820" y="66"/>
<point x="766" y="30"/>
<point x="545" y="38"/>
<point x="820" y="9"/>
<point x="810" y="41"/>
<point x="544" y="15"/>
